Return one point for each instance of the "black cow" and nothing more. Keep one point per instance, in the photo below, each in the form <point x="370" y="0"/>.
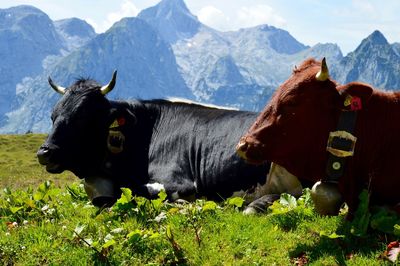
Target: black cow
<point x="185" y="148"/>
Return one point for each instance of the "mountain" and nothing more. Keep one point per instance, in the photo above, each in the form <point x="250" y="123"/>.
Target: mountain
<point x="396" y="48"/>
<point x="30" y="43"/>
<point x="172" y="19"/>
<point x="75" y="32"/>
<point x="374" y="61"/>
<point x="267" y="37"/>
<point x="165" y="51"/>
<point x="330" y="51"/>
<point x="216" y="65"/>
<point x="146" y="69"/>
<point x="27" y="37"/>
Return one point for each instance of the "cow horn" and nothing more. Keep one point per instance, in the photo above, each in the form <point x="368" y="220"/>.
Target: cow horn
<point x="323" y="74"/>
<point x="107" y="88"/>
<point x="59" y="89"/>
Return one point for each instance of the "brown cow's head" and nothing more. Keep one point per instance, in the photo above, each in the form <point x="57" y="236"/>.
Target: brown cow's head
<point x="293" y="129"/>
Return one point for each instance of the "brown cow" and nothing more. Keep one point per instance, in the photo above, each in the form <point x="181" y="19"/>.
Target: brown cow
<point x="294" y="128"/>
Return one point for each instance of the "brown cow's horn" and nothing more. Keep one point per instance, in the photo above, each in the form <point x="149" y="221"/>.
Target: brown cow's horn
<point x="107" y="88"/>
<point x="323" y="74"/>
<point x="59" y="89"/>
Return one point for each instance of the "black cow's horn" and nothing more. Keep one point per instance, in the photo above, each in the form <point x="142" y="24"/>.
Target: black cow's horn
<point x="323" y="74"/>
<point x="59" y="89"/>
<point x="107" y="88"/>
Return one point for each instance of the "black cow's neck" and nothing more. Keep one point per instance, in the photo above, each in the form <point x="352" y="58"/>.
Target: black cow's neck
<point x="130" y="166"/>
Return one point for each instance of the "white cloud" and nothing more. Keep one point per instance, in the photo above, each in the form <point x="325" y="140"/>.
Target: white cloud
<point x="127" y="9"/>
<point x="260" y="14"/>
<point x="243" y="17"/>
<point x="213" y="17"/>
<point x="93" y="23"/>
<point x="364" y="6"/>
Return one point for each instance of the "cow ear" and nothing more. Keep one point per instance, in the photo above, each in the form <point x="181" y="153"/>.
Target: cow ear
<point x="356" y="89"/>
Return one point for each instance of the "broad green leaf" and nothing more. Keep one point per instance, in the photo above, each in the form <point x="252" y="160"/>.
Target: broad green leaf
<point x="210" y="206"/>
<point x="126" y="195"/>
<point x="125" y="201"/>
<point x="157" y="204"/>
<point x="288" y="201"/>
<point x="15" y="209"/>
<point x="278" y="208"/>
<point x="162" y="195"/>
<point x="154" y="235"/>
<point x="173" y="210"/>
<point x="38" y="196"/>
<point x="30" y="203"/>
<point x="109" y="243"/>
<point x="236" y="201"/>
<point x="44" y="187"/>
<point x="305" y="199"/>
<point x="95" y="244"/>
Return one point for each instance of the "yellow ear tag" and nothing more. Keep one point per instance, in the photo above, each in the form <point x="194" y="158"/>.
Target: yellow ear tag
<point x="347" y="101"/>
<point x="116" y="140"/>
<point x="114" y="124"/>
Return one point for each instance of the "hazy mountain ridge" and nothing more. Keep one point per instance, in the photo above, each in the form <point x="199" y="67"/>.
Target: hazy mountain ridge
<point x="375" y="61"/>
<point x="27" y="37"/>
<point x="165" y="51"/>
<point x="147" y="73"/>
<point x="75" y="32"/>
<point x="30" y="43"/>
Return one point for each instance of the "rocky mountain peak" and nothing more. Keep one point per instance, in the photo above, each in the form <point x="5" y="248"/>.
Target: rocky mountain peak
<point x="172" y="19"/>
<point x="75" y="27"/>
<point x="374" y="40"/>
<point x="377" y="38"/>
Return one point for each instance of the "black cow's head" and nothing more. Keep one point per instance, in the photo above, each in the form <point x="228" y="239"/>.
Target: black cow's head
<point x="77" y="141"/>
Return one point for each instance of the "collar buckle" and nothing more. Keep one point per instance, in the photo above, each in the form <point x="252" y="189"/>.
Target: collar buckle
<point x="341" y="143"/>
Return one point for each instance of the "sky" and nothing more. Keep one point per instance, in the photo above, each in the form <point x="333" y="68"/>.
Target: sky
<point x="344" y="22"/>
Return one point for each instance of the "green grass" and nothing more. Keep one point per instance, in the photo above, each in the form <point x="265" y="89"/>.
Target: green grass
<point x="53" y="223"/>
<point x="19" y="167"/>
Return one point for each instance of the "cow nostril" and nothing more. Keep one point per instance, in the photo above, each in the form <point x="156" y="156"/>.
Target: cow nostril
<point x="44" y="155"/>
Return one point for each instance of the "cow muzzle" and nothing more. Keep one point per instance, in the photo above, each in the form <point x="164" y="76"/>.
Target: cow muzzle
<point x="45" y="157"/>
<point x="100" y="190"/>
<point x="327" y="198"/>
<point x="250" y="152"/>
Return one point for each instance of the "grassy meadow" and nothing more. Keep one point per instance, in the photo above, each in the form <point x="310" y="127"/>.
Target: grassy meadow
<point x="19" y="167"/>
<point x="47" y="220"/>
